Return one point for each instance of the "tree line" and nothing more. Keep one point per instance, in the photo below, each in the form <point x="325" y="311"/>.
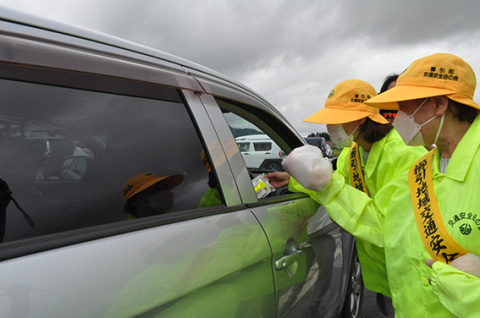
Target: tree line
<point x="320" y="134"/>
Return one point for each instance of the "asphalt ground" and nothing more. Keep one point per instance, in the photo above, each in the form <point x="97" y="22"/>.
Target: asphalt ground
<point x="369" y="306"/>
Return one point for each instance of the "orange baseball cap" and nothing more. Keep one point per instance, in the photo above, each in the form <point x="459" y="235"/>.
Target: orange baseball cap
<point x="143" y="181"/>
<point x="346" y="103"/>
<point x="434" y="75"/>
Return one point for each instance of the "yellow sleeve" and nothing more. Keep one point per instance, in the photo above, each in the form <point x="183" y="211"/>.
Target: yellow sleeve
<point x="459" y="292"/>
<point x="350" y="208"/>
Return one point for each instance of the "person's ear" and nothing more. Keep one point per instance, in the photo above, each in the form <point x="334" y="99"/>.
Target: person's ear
<point x="441" y="104"/>
<point x="361" y="121"/>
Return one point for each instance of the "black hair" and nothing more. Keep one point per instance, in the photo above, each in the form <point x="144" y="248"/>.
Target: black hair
<point x="372" y="131"/>
<point x="389" y="79"/>
<point x="461" y="111"/>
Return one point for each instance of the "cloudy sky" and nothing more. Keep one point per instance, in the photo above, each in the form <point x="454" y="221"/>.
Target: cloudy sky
<point x="291" y="52"/>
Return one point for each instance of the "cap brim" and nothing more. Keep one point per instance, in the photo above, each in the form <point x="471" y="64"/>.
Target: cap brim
<point x="379" y="118"/>
<point x="335" y="116"/>
<point x="464" y="100"/>
<point x="330" y="116"/>
<point x="172" y="181"/>
<point x="390" y="98"/>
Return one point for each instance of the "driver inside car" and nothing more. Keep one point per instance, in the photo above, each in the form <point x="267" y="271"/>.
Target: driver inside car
<point x="148" y="194"/>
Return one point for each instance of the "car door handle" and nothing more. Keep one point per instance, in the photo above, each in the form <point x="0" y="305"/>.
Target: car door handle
<point x="288" y="260"/>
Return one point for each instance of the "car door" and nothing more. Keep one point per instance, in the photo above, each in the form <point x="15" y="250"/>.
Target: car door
<point x="310" y="253"/>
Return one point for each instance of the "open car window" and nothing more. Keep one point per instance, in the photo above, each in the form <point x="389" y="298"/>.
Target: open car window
<point x="262" y="148"/>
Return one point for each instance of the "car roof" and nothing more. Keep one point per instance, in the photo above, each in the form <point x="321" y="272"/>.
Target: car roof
<point x="128" y="48"/>
<point x="253" y="137"/>
<point x="23" y="18"/>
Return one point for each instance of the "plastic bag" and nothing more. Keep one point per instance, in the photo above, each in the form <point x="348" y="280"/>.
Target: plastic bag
<point x="468" y="263"/>
<point x="307" y="165"/>
<point x="262" y="186"/>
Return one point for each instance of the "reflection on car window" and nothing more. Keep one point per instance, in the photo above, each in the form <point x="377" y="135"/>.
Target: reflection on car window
<point x="66" y="154"/>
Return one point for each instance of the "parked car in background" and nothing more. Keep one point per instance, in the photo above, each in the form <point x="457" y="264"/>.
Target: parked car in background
<point x="111" y="110"/>
<point x="259" y="151"/>
<point x="320" y="143"/>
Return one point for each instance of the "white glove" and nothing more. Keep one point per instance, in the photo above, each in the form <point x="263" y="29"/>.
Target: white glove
<point x="307" y="165"/>
<point x="468" y="263"/>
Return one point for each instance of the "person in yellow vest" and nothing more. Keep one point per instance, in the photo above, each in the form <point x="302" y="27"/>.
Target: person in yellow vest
<point x="428" y="220"/>
<point x="148" y="194"/>
<point x="374" y="155"/>
<point x="384" y="304"/>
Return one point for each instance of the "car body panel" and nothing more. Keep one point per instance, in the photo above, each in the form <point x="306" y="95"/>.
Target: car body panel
<point x="130" y="272"/>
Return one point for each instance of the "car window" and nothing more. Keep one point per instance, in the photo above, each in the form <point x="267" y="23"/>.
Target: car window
<point x="260" y="156"/>
<point x="243" y="146"/>
<point x="67" y="156"/>
<point x="265" y="136"/>
<point x="262" y="146"/>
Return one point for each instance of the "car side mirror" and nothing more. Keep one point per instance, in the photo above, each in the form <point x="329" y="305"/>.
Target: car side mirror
<point x="73" y="168"/>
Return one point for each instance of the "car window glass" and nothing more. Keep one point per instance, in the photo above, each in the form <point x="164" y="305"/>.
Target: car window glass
<point x="243" y="146"/>
<point x="262" y="146"/>
<point x="264" y="155"/>
<point x="67" y="154"/>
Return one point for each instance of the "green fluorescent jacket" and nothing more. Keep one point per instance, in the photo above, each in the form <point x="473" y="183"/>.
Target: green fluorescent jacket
<point x="388" y="221"/>
<point x="388" y="159"/>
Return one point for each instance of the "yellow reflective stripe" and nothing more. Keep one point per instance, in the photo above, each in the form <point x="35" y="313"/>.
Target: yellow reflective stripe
<point x="438" y="242"/>
<point x="355" y="169"/>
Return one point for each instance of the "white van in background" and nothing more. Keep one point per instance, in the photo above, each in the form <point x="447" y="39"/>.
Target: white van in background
<point x="259" y="151"/>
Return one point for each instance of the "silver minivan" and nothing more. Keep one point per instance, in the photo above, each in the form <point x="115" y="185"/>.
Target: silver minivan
<point x="82" y="115"/>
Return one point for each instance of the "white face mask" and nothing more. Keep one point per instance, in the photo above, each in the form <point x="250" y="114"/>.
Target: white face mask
<point x="339" y="136"/>
<point x="408" y="129"/>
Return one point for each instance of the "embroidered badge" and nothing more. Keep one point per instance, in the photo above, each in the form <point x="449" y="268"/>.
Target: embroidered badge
<point x="465" y="229"/>
<point x="466" y="222"/>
